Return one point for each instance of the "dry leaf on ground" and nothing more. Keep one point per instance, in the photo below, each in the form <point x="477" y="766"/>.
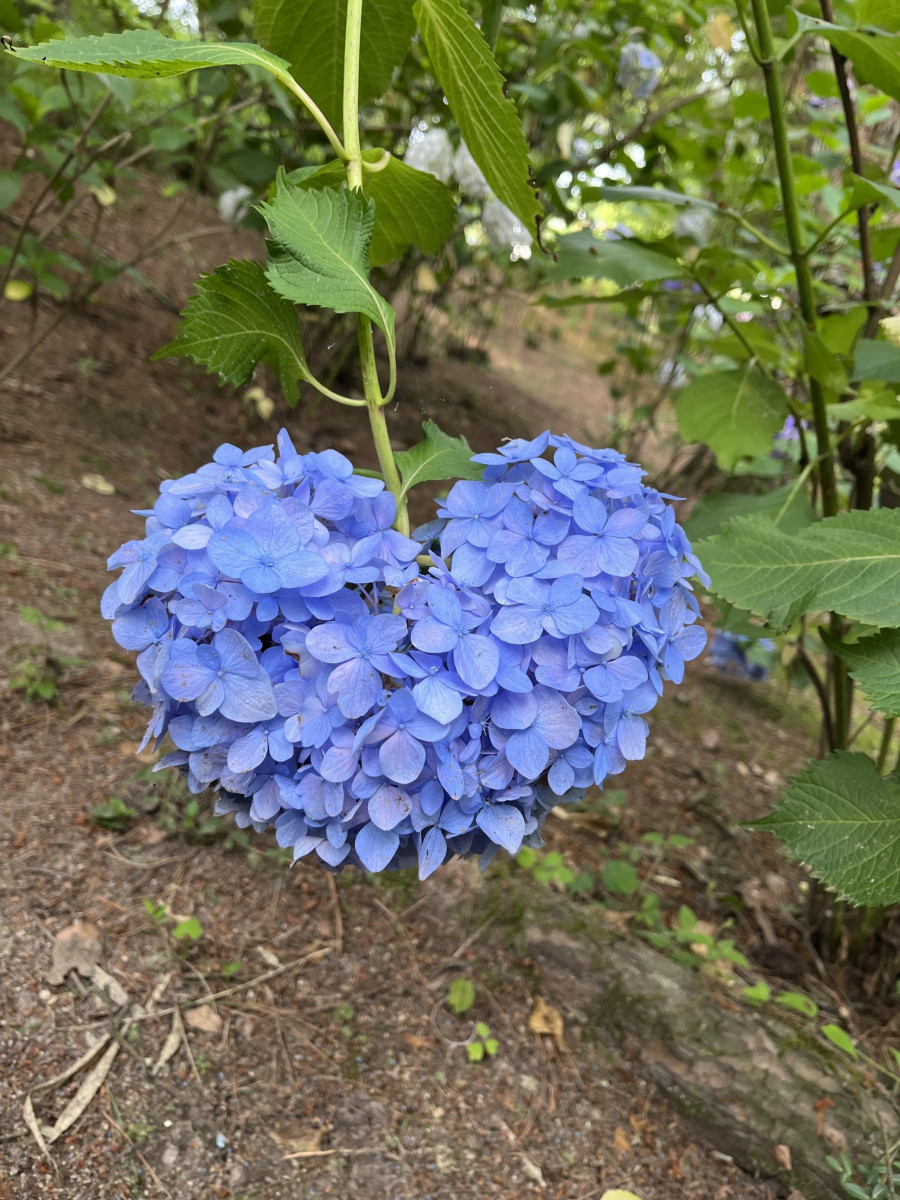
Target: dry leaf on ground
<point x="204" y="1018"/>
<point x="545" y="1019"/>
<point x="75" y="948"/>
<point x="783" y="1157"/>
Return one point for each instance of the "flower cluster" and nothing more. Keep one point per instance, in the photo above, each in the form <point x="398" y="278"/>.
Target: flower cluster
<point x="385" y="701"/>
<point x="639" y="70"/>
<point x="741" y="657"/>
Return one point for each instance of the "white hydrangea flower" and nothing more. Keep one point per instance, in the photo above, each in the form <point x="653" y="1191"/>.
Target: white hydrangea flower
<point x="711" y="315"/>
<point x="672" y="373"/>
<point x="503" y="228"/>
<point x="694" y="223"/>
<point x="233" y="204"/>
<point x="469" y="174"/>
<point x="432" y="153"/>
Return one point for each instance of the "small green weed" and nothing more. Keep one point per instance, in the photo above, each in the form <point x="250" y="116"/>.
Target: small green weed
<point x="483" y="1046"/>
<point x="114" y="815"/>
<point x="872" y="1182"/>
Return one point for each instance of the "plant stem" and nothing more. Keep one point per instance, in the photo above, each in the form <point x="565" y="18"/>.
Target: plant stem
<point x="375" y="400"/>
<point x="827" y="471"/>
<point x="793" y="227"/>
<point x="884" y="748"/>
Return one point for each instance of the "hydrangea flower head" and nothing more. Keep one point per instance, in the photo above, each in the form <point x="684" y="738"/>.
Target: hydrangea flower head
<point x="382" y="713"/>
<point x="639" y="70"/>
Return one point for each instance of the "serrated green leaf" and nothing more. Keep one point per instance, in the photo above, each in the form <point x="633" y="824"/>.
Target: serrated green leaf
<point x="234" y="321"/>
<point x="874" y="662"/>
<point x="146" y="54"/>
<point x="318" y="251"/>
<point x="412" y="208"/>
<point x="875" y="57"/>
<point x="437" y="456"/>
<point x="788" y="507"/>
<point x="310" y="34"/>
<point x="842" y="819"/>
<point x="849" y="564"/>
<point x="877" y="360"/>
<point x="625" y="261"/>
<point x="737" y="413"/>
<point x="840" y="1038"/>
<point x="471" y="80"/>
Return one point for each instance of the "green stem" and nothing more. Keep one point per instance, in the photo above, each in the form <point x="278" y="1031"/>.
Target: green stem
<point x="884" y="748"/>
<point x="375" y="400"/>
<point x="287" y="80"/>
<point x="791" y="208"/>
<point x="827" y="471"/>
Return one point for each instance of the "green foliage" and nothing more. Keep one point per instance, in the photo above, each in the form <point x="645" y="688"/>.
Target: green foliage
<point x="842" y="819"/>
<point x="310" y="34"/>
<point x="234" y="321"/>
<point x="188" y="929"/>
<point x="114" y="815"/>
<point x="849" y="563"/>
<point x="876" y="60"/>
<point x="624" y="261"/>
<point x="437" y="456"/>
<point x="317" y="254"/>
<point x="735" y="412"/>
<point x="874" y="662"/>
<point x="619" y="877"/>
<point x="877" y="360"/>
<point x="461" y="995"/>
<point x="787" y="507"/>
<point x="482" y="1045"/>
<point x="875" y="1181"/>
<point x="840" y="1038"/>
<point x="146" y="54"/>
<point x="467" y="71"/>
<point x="412" y="208"/>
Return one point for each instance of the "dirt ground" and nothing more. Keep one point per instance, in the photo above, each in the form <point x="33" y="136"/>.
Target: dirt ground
<point x="310" y="1049"/>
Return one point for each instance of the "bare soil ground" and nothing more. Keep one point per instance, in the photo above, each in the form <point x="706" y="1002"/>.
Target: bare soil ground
<point x="311" y="1051"/>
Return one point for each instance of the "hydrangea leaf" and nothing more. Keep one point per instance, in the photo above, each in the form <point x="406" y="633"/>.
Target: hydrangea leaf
<point x="146" y="54"/>
<point x="310" y="34"/>
<point x="849" y="564"/>
<point x="842" y="819"/>
<point x="10" y="186"/>
<point x="437" y="456"/>
<point x="874" y="662"/>
<point x="234" y="321"/>
<point x="737" y="413"/>
<point x="876" y="60"/>
<point x="787" y="507"/>
<point x="625" y="261"/>
<point x="466" y="70"/>
<point x="318" y="252"/>
<point x="877" y="360"/>
<point x="412" y="208"/>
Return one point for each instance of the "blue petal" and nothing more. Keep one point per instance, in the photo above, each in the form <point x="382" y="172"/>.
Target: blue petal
<point x="503" y="824"/>
<point x="375" y="847"/>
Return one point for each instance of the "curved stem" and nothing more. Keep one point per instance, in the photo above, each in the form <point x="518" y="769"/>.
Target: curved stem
<point x="372" y="168"/>
<point x="374" y="401"/>
<point x="288" y="81"/>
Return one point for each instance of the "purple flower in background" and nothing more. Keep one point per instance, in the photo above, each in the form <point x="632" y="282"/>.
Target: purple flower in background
<point x="639" y="70"/>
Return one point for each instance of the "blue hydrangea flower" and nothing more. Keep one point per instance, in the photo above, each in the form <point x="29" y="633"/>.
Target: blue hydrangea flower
<point x="383" y="714"/>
